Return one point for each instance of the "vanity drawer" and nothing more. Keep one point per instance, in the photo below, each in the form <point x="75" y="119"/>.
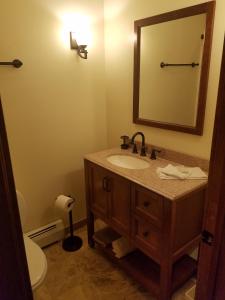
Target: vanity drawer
<point x="148" y="205"/>
<point x="146" y="236"/>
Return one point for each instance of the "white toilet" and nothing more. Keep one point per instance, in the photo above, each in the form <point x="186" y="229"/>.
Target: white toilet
<point x="36" y="258"/>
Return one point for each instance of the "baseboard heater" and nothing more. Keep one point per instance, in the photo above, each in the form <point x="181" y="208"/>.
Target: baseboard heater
<point x="48" y="234"/>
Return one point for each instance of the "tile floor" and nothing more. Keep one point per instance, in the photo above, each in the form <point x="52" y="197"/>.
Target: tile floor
<point x="87" y="275"/>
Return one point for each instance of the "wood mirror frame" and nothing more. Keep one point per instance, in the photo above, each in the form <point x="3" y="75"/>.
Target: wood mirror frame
<point x="207" y="8"/>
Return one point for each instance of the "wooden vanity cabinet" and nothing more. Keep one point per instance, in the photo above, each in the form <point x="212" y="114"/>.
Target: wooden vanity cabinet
<point x="164" y="230"/>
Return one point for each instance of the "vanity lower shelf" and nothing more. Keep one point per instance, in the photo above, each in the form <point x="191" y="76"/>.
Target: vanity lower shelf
<point x="146" y="272"/>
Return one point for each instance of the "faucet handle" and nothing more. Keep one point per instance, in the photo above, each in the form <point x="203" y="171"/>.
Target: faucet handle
<point x="125" y="144"/>
<point x="153" y="153"/>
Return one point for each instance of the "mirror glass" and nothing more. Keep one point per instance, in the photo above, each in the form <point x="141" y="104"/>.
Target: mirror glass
<point x="170" y="94"/>
<point x="171" y="64"/>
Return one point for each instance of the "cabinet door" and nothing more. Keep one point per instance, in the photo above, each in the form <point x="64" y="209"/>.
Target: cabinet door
<point x="99" y="194"/>
<point x="119" y="204"/>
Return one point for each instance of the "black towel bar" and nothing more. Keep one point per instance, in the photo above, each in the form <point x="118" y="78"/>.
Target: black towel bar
<point x="163" y="65"/>
<point x="16" y="63"/>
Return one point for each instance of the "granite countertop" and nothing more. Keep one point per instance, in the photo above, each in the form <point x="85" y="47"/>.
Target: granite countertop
<point x="148" y="178"/>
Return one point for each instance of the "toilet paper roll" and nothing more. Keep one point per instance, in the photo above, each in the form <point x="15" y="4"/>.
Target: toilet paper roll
<point x="64" y="203"/>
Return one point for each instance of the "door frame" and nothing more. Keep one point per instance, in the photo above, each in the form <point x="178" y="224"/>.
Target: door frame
<point x="14" y="275"/>
<point x="211" y="267"/>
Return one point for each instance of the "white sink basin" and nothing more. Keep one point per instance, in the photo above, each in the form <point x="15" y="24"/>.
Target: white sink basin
<point x="128" y="162"/>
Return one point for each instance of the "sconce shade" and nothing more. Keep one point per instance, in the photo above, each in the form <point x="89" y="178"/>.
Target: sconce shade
<point x="81" y="49"/>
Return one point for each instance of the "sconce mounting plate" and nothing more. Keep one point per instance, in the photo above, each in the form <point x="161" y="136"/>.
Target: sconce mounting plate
<point x="81" y="49"/>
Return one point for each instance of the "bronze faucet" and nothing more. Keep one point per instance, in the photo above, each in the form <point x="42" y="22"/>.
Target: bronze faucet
<point x="143" y="148"/>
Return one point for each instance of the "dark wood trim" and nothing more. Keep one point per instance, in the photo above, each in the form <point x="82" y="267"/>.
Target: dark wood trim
<point x="219" y="289"/>
<point x="14" y="276"/>
<point x="90" y="215"/>
<point x="166" y="266"/>
<point x="211" y="271"/>
<point x="176" y="14"/>
<point x="208" y="8"/>
<point x="203" y="88"/>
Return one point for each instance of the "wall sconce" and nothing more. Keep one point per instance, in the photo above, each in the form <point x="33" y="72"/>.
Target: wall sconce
<point x="81" y="49"/>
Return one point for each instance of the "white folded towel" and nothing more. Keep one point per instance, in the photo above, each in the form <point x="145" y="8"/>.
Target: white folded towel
<point x="180" y="172"/>
<point x="121" y="247"/>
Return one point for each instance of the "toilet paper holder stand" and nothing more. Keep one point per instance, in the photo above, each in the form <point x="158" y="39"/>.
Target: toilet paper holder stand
<point x="72" y="242"/>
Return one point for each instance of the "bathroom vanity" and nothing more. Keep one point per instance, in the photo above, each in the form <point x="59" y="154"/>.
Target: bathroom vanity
<point x="161" y="218"/>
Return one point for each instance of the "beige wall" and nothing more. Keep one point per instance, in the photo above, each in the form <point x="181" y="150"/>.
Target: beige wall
<point x="119" y="18"/>
<point x="55" y="104"/>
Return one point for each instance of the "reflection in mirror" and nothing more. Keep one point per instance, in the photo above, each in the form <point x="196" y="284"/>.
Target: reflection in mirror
<point x="171" y="68"/>
<point x="175" y="88"/>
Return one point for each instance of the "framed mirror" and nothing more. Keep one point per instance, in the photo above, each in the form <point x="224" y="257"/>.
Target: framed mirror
<point x="171" y="65"/>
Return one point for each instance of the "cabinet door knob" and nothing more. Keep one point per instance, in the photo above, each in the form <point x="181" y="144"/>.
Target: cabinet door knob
<point x="146" y="204"/>
<point x="146" y="234"/>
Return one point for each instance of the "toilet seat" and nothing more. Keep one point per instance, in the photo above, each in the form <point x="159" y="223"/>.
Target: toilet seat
<point x="37" y="262"/>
